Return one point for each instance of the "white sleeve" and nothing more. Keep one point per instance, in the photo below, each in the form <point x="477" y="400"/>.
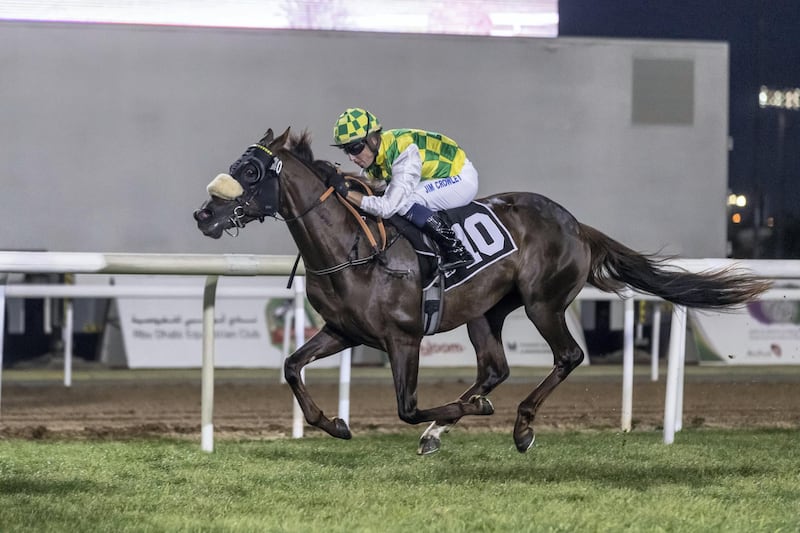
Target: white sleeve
<point x="406" y="170"/>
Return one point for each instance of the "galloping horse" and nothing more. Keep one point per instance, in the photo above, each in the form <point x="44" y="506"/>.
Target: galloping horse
<point x="372" y="296"/>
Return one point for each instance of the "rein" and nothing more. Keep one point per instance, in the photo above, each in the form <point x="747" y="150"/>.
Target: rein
<point x="360" y="219"/>
<point x="377" y="250"/>
<point x="319" y="201"/>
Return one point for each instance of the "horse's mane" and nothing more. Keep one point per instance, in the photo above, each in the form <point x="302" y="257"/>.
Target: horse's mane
<point x="300" y="145"/>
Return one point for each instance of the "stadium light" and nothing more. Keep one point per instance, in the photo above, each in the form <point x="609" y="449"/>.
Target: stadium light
<point x="739" y="200"/>
<point x="780" y="98"/>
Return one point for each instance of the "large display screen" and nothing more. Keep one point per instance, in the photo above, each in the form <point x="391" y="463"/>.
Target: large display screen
<point x="530" y="18"/>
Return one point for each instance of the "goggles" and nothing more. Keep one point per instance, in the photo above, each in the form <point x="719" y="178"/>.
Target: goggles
<point x="354" y="148"/>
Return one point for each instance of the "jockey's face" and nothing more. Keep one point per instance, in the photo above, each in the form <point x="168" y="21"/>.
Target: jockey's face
<point x="364" y="158"/>
<point x="362" y="152"/>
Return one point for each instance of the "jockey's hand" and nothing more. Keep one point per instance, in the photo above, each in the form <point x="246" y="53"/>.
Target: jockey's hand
<point x="338" y="183"/>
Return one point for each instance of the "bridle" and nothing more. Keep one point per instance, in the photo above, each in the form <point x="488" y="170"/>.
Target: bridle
<point x="260" y="164"/>
<point x="269" y="166"/>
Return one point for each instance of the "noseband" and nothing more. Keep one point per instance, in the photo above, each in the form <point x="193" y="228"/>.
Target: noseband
<point x="257" y="168"/>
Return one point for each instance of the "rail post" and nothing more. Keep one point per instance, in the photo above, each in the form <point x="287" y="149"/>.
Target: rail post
<point x="674" y="360"/>
<point x="299" y="336"/>
<point x="627" y="366"/>
<point x="207" y="384"/>
<point x="655" y="341"/>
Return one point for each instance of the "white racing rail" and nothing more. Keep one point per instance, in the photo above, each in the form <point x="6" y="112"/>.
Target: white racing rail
<point x="213" y="266"/>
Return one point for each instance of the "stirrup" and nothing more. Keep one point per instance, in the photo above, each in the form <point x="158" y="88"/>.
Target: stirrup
<point x="455" y="263"/>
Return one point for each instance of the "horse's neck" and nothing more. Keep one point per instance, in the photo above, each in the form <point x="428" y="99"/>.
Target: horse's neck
<point x="325" y="235"/>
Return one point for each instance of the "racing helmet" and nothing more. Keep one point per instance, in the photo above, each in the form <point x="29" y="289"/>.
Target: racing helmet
<point x="354" y="125"/>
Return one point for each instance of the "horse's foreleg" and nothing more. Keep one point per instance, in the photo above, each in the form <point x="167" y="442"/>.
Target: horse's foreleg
<point x="492" y="369"/>
<point x="321" y="345"/>
<point x="567" y="355"/>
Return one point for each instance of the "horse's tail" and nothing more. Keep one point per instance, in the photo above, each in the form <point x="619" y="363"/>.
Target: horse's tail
<point x="614" y="266"/>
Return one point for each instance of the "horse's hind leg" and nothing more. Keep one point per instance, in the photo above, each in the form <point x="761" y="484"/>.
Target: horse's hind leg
<point x="567" y="355"/>
<point x="403" y="352"/>
<point x="485" y="335"/>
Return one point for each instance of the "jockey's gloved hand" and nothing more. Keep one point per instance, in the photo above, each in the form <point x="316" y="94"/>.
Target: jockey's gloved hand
<point x="338" y="183"/>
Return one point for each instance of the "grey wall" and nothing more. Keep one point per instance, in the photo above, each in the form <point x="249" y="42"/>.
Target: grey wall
<point x="109" y="134"/>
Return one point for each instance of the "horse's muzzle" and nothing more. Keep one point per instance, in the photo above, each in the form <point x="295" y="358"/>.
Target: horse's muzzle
<point x="202" y="214"/>
<point x="207" y="223"/>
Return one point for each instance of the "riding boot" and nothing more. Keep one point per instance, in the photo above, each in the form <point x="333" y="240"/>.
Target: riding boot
<point x="455" y="255"/>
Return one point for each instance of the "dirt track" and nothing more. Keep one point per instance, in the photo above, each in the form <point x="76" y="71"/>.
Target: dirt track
<point x="117" y="404"/>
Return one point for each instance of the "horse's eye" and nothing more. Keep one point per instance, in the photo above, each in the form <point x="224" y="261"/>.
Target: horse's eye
<point x="251" y="174"/>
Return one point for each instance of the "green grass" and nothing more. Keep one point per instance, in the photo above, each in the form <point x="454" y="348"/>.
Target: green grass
<point x="730" y="481"/>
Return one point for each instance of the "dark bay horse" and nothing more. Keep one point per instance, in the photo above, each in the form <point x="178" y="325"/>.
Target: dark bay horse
<point x="373" y="297"/>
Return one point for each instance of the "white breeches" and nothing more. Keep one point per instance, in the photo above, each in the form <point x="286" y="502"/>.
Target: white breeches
<point x="445" y="193"/>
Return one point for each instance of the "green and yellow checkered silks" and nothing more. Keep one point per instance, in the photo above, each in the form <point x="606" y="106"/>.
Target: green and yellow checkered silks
<point x="441" y="156"/>
<point x="353" y="125"/>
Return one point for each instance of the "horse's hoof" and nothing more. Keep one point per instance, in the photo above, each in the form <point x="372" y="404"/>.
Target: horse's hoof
<point x="524" y="441"/>
<point x="483" y="404"/>
<point x="341" y="429"/>
<point x="428" y="444"/>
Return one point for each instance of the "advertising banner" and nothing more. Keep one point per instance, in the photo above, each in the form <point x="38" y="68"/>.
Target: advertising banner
<point x="249" y="332"/>
<point x="766" y="332"/>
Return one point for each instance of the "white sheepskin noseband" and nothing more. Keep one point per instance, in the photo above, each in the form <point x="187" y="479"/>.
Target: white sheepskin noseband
<point x="225" y="187"/>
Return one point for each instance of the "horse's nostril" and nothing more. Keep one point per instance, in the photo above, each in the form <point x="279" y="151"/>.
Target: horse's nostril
<point x="202" y="214"/>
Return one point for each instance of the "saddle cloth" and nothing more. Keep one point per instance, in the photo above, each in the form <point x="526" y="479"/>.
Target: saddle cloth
<point x="483" y="235"/>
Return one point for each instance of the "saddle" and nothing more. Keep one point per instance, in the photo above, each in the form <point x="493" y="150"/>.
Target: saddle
<point x="483" y="235"/>
<point x="432" y="278"/>
<point x="425" y="249"/>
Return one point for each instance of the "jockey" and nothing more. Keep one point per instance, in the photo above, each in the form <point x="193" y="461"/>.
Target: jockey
<point x="425" y="172"/>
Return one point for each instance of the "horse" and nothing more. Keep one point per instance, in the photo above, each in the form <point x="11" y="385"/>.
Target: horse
<point x="371" y="295"/>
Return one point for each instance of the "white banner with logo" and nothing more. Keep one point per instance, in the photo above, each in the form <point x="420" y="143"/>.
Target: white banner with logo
<point x="249" y="332"/>
<point x="766" y="332"/>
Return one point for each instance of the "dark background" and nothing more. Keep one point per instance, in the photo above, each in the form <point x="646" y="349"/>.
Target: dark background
<point x="764" y="41"/>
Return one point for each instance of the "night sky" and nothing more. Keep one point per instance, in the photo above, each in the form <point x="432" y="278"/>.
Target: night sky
<point x="764" y="41"/>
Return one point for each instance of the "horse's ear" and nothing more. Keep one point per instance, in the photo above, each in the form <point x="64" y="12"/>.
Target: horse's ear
<point x="267" y="138"/>
<point x="283" y="140"/>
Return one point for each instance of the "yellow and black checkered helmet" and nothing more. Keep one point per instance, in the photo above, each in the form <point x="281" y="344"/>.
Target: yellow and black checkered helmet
<point x="353" y="125"/>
